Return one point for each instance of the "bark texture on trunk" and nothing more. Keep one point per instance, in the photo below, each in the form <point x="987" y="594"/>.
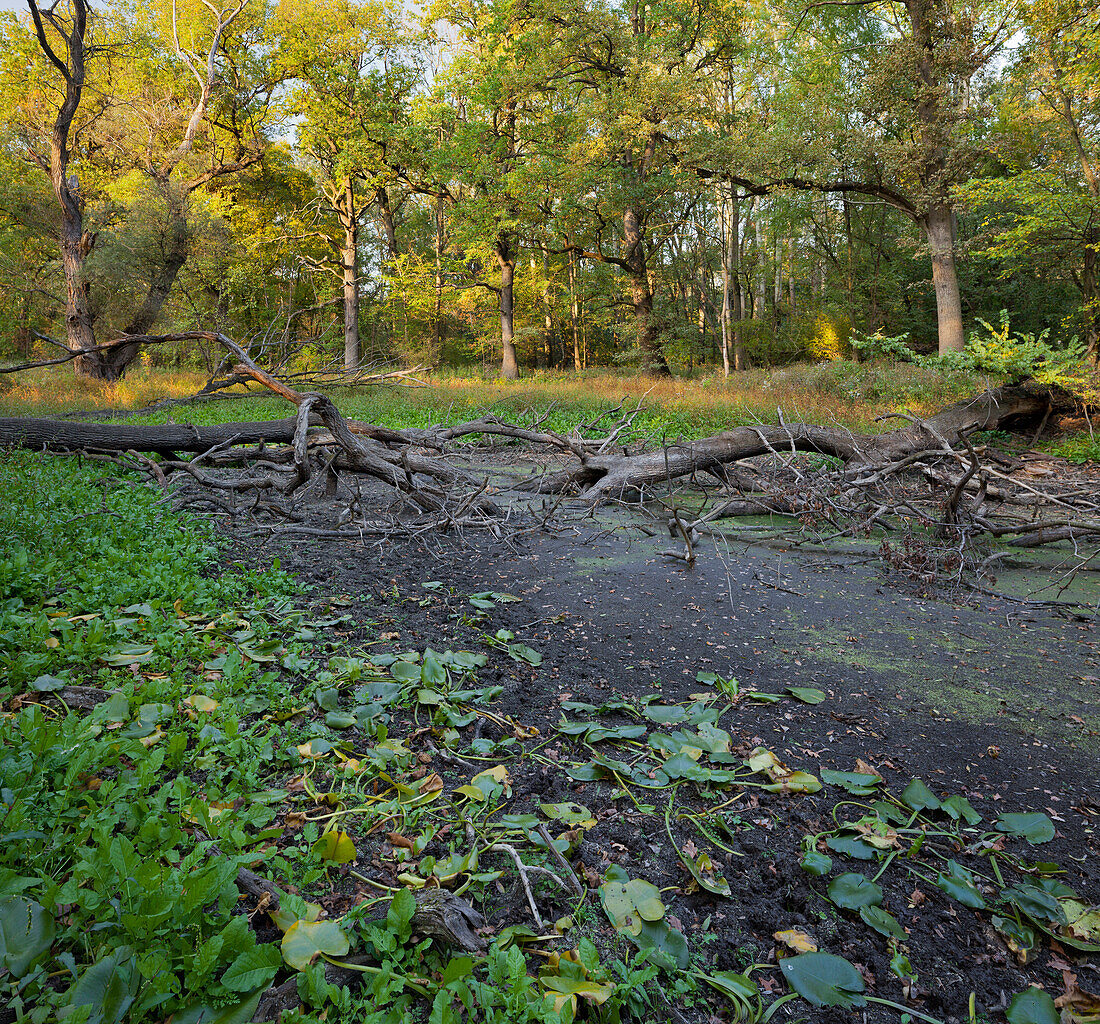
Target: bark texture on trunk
<point x="506" y="257"/>
<point x="575" y="312"/>
<point x="75" y="242"/>
<point x="940" y="228"/>
<point x="349" y="220"/>
<point x="159" y="439"/>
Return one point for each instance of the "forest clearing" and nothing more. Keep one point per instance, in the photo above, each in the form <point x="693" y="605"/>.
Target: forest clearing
<point x="549" y="512"/>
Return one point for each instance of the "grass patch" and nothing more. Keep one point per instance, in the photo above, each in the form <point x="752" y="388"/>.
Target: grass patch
<point x="1081" y="448"/>
<point x="847" y="394"/>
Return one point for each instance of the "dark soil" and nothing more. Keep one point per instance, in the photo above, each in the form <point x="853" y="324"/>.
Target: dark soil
<point x="996" y="702"/>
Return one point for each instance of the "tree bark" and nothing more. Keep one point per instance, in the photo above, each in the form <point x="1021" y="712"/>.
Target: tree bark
<point x="506" y="257"/>
<point x="575" y="312"/>
<point x="940" y="228"/>
<point x="641" y="294"/>
<point x="349" y="220"/>
<point x="75" y="242"/>
<point x="547" y="310"/>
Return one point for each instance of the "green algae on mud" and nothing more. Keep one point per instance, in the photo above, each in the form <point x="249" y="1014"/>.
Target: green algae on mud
<point x="1004" y="676"/>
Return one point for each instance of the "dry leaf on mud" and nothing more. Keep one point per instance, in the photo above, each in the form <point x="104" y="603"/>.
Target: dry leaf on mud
<point x="1076" y="998"/>
<point x="797" y="940"/>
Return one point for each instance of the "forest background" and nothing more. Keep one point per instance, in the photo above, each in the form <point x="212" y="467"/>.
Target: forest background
<point x="547" y="183"/>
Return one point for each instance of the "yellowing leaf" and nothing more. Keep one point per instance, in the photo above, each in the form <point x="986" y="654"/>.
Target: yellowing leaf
<point x="201" y="702"/>
<point x="336" y="847"/>
<point x="797" y="940"/>
<point x="284" y="918"/>
<point x="304" y="941"/>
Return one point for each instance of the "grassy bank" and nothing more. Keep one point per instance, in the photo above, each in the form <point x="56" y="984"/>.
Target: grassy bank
<point x="844" y="393"/>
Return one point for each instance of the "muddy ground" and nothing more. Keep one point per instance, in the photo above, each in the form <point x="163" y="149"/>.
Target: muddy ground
<point x="988" y="699"/>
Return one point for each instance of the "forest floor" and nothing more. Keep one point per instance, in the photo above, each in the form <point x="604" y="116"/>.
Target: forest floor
<point x="797" y="781"/>
<point x="984" y="700"/>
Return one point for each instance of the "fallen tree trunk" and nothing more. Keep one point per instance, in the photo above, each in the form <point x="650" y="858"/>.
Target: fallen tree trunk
<point x="156" y="439"/>
<point x="611" y="475"/>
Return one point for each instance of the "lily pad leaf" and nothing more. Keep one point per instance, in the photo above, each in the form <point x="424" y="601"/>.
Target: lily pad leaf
<point x="566" y="990"/>
<point x="570" y="813"/>
<point x="796" y="940"/>
<point x="1036" y="903"/>
<point x="1034" y="826"/>
<point x="958" y="807"/>
<point x="304" y="941"/>
<point x="795" y="782"/>
<point x="628" y="904"/>
<point x="521" y="652"/>
<point x="48" y="684"/>
<point x="665" y="714"/>
<point x="201" y="702"/>
<point x="856" y="783"/>
<point x="1082" y="928"/>
<point x="824" y="979"/>
<point x="850" y="846"/>
<point x="337" y="847"/>
<point x="405" y="672"/>
<point x="663" y="944"/>
<point x="1032" y="1006"/>
<point x="806" y="694"/>
<point x="817" y="864"/>
<point x="884" y="923"/>
<point x="852" y="891"/>
<point x="919" y="797"/>
<point x="340" y="719"/>
<point x="958" y="883"/>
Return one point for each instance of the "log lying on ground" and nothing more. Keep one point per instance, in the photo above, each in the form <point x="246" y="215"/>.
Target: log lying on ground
<point x="610" y="475"/>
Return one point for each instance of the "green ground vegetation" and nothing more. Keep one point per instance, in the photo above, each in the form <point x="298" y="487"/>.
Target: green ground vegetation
<point x="224" y="703"/>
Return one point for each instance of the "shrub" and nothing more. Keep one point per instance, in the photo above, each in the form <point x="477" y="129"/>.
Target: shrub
<point x="825" y="336"/>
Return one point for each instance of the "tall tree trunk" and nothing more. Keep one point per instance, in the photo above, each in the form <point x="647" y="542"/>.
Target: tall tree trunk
<point x="940" y="228"/>
<point x="506" y="257"/>
<point x="575" y="312"/>
<point x="350" y="263"/>
<point x="938" y="219"/>
<point x="547" y="311"/>
<point x="641" y="293"/>
<point x="1090" y="299"/>
<point x="777" y="281"/>
<point x="117" y="361"/>
<point x="75" y="242"/>
<point x="437" y="327"/>
<point x="758" y="303"/>
<point x="724" y="317"/>
<point x="850" y="254"/>
<point x="389" y="261"/>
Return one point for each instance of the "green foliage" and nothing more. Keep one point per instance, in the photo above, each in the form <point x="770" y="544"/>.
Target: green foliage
<point x="1080" y="449"/>
<point x="102" y="797"/>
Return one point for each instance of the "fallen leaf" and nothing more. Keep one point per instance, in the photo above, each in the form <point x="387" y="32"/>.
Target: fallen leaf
<point x="1076" y="998"/>
<point x="797" y="940"/>
<point x="396" y="839"/>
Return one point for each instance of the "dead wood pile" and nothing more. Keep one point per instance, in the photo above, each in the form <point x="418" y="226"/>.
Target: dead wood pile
<point x="929" y="473"/>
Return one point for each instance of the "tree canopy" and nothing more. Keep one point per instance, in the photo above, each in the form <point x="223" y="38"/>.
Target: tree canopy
<point x="668" y="184"/>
